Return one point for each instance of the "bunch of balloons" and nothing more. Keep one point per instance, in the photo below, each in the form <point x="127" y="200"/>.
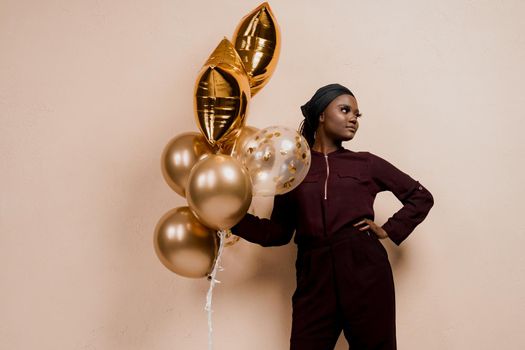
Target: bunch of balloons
<point x="219" y="169"/>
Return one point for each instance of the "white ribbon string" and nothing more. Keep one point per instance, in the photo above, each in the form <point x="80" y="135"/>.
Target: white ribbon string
<point x="213" y="281"/>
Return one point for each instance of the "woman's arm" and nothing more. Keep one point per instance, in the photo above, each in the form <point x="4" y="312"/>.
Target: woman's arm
<point x="416" y="199"/>
<point x="276" y="231"/>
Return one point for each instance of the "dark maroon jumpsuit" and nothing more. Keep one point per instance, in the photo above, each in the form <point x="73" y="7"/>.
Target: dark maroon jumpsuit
<point x="344" y="278"/>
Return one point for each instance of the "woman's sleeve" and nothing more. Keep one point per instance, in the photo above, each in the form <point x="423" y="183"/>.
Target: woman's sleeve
<point x="276" y="231"/>
<point x="416" y="199"/>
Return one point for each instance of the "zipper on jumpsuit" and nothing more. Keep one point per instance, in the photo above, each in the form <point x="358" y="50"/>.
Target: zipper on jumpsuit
<point x="327" y="174"/>
<point x="325" y="201"/>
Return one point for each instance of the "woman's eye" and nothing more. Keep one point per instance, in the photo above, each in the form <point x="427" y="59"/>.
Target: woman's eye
<point x="345" y="110"/>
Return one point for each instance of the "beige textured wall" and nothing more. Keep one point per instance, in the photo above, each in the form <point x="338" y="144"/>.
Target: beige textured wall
<point x="91" y="91"/>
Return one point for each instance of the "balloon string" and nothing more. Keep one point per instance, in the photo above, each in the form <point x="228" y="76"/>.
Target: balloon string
<point x="213" y="281"/>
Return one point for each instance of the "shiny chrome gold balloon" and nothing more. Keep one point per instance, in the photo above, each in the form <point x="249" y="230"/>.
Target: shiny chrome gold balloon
<point x="179" y="156"/>
<point x="257" y="39"/>
<point x="277" y="159"/>
<point x="184" y="245"/>
<point x="234" y="146"/>
<point x="219" y="191"/>
<point x="222" y="94"/>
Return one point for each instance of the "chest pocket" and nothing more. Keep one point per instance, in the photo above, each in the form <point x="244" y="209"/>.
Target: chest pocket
<point x="351" y="175"/>
<point x="353" y="179"/>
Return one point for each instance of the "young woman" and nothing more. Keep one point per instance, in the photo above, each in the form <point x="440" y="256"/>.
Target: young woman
<point x="344" y="278"/>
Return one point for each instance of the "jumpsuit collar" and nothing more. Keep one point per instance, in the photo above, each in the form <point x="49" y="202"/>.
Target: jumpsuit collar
<point x="339" y="150"/>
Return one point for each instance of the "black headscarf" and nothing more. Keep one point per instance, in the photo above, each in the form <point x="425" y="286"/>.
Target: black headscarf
<point x="322" y="98"/>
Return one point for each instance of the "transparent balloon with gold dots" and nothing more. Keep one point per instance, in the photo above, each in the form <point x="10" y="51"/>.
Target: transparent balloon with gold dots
<point x="277" y="159"/>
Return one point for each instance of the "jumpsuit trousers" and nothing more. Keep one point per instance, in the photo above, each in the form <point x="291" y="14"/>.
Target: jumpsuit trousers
<point x="344" y="283"/>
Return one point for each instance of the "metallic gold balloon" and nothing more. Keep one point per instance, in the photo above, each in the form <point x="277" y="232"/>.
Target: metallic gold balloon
<point x="277" y="159"/>
<point x="219" y="191"/>
<point x="257" y="39"/>
<point x="184" y="245"/>
<point x="179" y="156"/>
<point x="222" y="94"/>
<point x="234" y="146"/>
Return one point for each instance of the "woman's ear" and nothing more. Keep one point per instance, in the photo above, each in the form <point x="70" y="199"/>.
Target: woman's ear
<point x="321" y="118"/>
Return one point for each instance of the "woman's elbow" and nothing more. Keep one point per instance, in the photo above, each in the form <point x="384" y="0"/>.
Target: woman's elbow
<point x="428" y="202"/>
<point x="279" y="239"/>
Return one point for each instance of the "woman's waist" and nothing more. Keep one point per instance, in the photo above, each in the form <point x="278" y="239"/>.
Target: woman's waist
<point x="312" y="240"/>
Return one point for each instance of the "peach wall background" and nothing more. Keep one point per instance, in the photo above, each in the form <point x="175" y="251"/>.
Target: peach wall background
<point x="91" y="91"/>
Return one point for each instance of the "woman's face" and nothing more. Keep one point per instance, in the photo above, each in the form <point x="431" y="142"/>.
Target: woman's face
<point x="339" y="119"/>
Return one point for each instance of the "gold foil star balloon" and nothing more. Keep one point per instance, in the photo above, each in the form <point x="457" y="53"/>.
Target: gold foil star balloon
<point x="257" y="39"/>
<point x="222" y="94"/>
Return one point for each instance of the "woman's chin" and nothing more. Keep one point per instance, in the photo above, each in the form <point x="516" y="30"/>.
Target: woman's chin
<point x="348" y="136"/>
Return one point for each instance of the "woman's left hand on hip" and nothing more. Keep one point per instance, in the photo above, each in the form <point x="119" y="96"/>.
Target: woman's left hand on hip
<point x="367" y="224"/>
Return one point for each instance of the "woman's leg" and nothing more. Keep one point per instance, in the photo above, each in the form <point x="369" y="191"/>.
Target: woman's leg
<point x="316" y="324"/>
<point x="366" y="293"/>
